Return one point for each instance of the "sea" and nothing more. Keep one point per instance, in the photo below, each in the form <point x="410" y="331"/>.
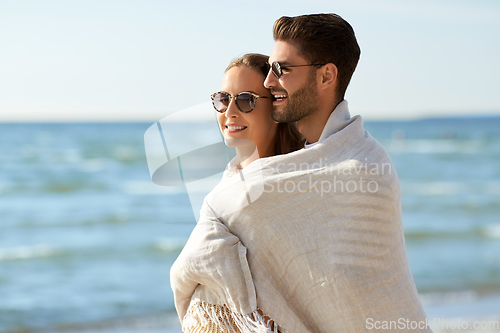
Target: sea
<point x="87" y="239"/>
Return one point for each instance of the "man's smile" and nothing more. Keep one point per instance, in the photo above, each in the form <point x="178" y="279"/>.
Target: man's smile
<point x="278" y="98"/>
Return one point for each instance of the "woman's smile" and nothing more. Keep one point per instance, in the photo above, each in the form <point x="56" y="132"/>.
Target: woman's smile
<point x="234" y="128"/>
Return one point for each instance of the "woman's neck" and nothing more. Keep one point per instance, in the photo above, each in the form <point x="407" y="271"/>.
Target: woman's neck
<point x="247" y="151"/>
<point x="246" y="155"/>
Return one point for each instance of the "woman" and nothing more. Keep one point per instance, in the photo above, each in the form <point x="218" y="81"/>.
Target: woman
<point x="244" y="108"/>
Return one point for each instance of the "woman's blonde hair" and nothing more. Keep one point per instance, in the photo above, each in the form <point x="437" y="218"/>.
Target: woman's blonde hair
<point x="288" y="137"/>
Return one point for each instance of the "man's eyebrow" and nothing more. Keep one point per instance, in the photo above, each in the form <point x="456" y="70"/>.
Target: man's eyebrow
<point x="282" y="63"/>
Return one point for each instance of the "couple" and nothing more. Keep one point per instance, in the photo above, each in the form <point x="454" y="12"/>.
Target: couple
<point x="312" y="241"/>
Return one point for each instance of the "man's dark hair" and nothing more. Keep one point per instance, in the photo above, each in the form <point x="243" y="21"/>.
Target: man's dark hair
<point x="321" y="39"/>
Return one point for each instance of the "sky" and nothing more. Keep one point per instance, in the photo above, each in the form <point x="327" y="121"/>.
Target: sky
<point x="128" y="60"/>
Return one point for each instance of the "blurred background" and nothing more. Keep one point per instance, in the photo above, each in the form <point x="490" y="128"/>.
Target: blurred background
<point x="87" y="240"/>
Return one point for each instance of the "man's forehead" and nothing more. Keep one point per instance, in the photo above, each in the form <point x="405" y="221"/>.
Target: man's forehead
<point x="284" y="53"/>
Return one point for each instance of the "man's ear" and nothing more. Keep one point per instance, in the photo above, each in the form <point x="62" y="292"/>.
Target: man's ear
<point x="329" y="75"/>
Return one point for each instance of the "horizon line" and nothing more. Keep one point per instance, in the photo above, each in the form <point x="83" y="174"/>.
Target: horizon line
<point x="127" y="121"/>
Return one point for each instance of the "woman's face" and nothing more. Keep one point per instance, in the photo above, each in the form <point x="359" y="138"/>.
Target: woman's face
<point x="257" y="125"/>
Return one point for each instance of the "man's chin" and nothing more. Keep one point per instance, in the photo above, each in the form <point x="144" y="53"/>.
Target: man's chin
<point x="279" y="114"/>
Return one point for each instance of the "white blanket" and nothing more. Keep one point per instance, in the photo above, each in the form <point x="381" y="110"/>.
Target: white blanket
<point x="312" y="238"/>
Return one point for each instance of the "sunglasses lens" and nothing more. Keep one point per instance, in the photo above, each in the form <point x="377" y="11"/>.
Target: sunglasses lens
<point x="246" y="102"/>
<point x="276" y="68"/>
<point x="221" y="101"/>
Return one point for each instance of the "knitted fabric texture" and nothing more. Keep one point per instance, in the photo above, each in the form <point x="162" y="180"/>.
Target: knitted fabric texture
<point x="203" y="317"/>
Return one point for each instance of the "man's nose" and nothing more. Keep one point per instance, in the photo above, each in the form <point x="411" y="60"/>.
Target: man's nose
<point x="271" y="80"/>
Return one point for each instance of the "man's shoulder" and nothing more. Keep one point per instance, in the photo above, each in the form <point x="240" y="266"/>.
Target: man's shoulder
<point x="369" y="157"/>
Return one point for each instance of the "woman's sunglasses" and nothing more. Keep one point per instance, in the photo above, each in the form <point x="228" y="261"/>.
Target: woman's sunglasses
<point x="245" y="101"/>
<point x="277" y="68"/>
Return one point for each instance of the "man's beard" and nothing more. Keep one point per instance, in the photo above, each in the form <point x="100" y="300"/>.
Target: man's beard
<point x="300" y="104"/>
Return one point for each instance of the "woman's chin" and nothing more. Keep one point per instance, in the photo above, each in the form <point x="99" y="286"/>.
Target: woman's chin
<point x="232" y="142"/>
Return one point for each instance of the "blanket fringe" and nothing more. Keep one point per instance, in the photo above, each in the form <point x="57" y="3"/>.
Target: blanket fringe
<point x="214" y="318"/>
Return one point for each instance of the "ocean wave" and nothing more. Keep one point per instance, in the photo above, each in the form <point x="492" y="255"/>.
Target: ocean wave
<point x="204" y="186"/>
<point x="84" y="158"/>
<point x="170" y="245"/>
<point x="148" y="187"/>
<point x="438" y="146"/>
<point x="450" y="188"/>
<point x="4" y="188"/>
<point x="491" y="231"/>
<point x="31" y="186"/>
<point x="450" y="297"/>
<point x="93" y="164"/>
<point x="28" y="252"/>
<point x="128" y="154"/>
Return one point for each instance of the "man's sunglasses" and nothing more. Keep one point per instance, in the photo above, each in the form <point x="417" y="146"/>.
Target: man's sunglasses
<point x="245" y="101"/>
<point x="276" y="67"/>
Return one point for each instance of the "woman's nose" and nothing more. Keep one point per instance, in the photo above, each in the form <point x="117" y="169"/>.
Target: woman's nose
<point x="232" y="110"/>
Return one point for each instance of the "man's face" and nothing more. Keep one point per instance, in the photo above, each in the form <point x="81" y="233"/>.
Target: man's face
<point x="295" y="92"/>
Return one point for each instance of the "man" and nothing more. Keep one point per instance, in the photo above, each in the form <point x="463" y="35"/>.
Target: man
<point x="312" y="62"/>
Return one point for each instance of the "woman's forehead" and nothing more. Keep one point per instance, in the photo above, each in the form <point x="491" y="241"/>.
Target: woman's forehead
<point x="242" y="78"/>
